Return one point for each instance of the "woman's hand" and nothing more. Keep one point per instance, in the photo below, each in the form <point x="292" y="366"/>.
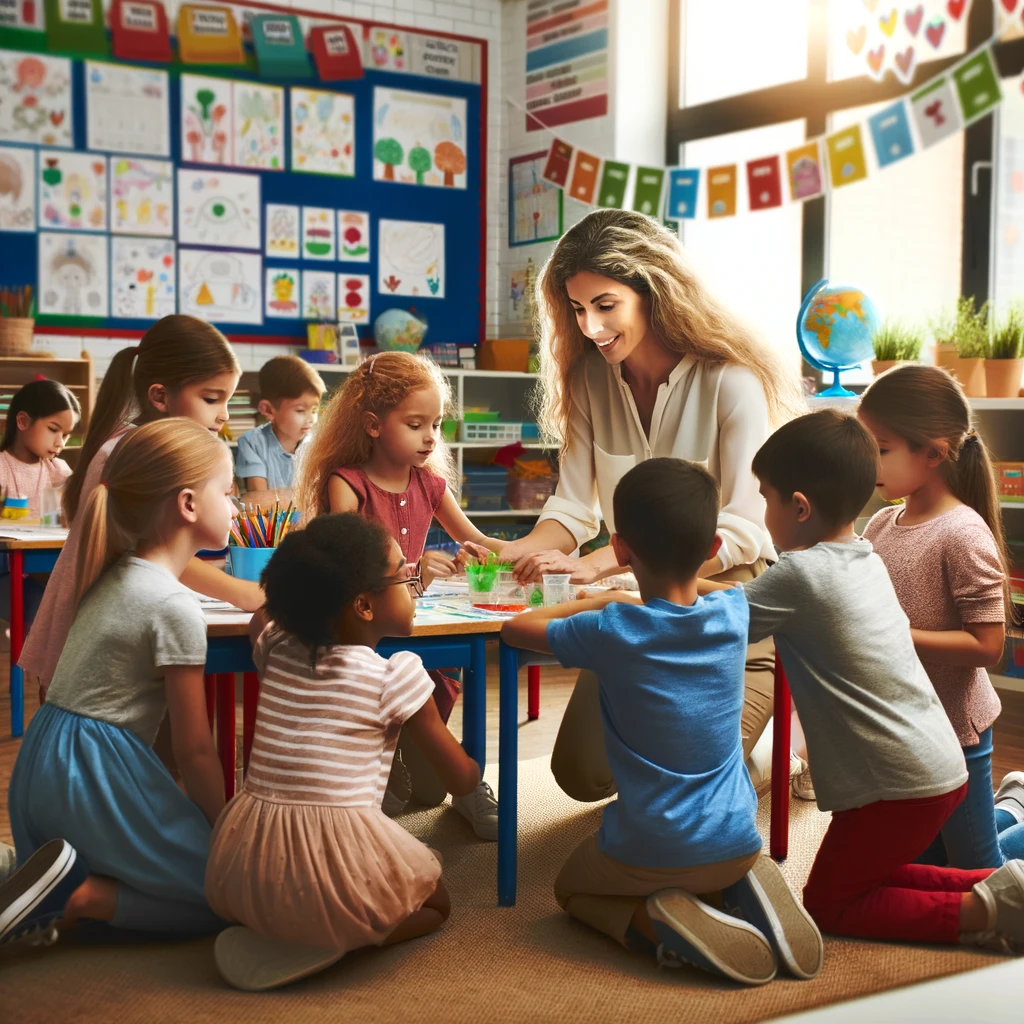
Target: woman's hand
<point x="468" y="552"/>
<point x="436" y="565"/>
<point x="531" y="568"/>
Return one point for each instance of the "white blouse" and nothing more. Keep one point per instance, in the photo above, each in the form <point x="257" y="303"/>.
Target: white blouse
<point x="715" y="416"/>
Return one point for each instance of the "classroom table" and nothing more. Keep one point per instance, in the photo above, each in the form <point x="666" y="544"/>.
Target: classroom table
<point x="446" y="640"/>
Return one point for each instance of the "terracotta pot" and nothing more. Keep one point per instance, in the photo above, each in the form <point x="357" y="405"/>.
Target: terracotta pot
<point x="879" y="366"/>
<point x="945" y="356"/>
<point x="1003" y="377"/>
<point x="971" y="374"/>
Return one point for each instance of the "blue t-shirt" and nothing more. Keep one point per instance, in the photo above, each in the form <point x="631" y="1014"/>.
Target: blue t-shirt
<point x="260" y="454"/>
<point x="671" y="683"/>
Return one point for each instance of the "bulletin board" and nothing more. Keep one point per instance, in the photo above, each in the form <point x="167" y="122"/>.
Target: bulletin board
<point x="452" y="301"/>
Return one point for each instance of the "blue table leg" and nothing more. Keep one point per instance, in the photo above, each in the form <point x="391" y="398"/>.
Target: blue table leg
<point x="474" y="702"/>
<point x="508" y="772"/>
<point x="17" y="702"/>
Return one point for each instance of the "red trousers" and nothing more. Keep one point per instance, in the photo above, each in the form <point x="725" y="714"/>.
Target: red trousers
<point x="864" y="882"/>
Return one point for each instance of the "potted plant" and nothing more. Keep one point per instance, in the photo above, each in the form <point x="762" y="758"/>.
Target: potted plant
<point x="894" y="343"/>
<point x="1005" y="365"/>
<point x="970" y="334"/>
<point x="944" y="330"/>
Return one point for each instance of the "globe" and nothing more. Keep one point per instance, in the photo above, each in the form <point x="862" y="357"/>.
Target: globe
<point x="397" y="330"/>
<point x="834" y="331"/>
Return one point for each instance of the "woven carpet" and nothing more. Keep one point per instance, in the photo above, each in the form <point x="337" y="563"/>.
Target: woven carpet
<point x="527" y="963"/>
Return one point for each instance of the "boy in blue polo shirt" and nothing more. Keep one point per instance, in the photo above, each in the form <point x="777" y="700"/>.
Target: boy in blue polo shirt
<point x="670" y="671"/>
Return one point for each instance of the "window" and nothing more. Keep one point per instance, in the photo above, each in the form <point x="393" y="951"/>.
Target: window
<point x="1008" y="227"/>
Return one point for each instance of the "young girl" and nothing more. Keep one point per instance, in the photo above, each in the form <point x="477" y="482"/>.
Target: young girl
<point x="182" y="367"/>
<point x="946" y="555"/>
<point x="378" y="451"/>
<point x="102" y="830"/>
<point x="329" y="715"/>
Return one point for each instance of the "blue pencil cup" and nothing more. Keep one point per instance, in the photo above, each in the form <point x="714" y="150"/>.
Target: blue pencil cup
<point x="249" y="563"/>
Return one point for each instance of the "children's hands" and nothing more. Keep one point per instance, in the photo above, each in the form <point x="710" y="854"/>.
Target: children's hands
<point x="532" y="568"/>
<point x="436" y="565"/>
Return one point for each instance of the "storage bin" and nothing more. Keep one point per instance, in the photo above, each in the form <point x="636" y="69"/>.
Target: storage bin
<point x="530" y="494"/>
<point x="496" y="433"/>
<point x="484" y="488"/>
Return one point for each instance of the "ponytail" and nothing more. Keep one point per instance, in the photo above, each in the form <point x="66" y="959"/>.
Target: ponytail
<point x="100" y="547"/>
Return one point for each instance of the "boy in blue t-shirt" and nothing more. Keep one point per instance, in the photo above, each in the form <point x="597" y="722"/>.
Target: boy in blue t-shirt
<point x="670" y="671"/>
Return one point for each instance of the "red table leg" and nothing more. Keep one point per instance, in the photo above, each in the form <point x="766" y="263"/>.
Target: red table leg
<point x="250" y="698"/>
<point x="533" y="692"/>
<point x="779" y="841"/>
<point x="211" y="692"/>
<point x="226" y="730"/>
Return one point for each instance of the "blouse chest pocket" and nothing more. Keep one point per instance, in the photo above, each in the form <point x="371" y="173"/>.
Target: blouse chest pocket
<point x="609" y="470"/>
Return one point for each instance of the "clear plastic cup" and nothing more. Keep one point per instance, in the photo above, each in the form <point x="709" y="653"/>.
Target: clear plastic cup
<point x="557" y="588"/>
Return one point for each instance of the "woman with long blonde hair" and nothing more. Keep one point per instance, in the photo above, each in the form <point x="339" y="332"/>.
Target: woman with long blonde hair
<point x="638" y="360"/>
<point x="101" y="828"/>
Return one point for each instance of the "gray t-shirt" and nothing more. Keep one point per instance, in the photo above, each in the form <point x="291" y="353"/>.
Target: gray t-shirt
<point x="874" y="725"/>
<point x="135" y="621"/>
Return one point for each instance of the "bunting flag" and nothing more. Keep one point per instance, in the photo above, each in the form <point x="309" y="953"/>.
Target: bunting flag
<point x="647" y="192"/>
<point x="584" y="177"/>
<point x="682" y="193"/>
<point x="722" y="191"/>
<point x="764" y="183"/>
<point x="556" y="168"/>
<point x="612" y="191"/>
<point x="847" y="162"/>
<point x="806" y="178"/>
<point x="890" y="132"/>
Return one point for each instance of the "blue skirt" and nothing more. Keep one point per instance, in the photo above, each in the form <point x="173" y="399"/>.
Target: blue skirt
<point x="106" y="792"/>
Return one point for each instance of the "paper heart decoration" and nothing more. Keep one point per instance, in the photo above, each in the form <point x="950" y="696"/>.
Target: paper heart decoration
<point x="875" y="58"/>
<point x="871" y="5"/>
<point x="913" y="19"/>
<point x="855" y="40"/>
<point x="905" y="65"/>
<point x="934" y="33"/>
<point x="1009" y="5"/>
<point x="888" y="24"/>
<point x="56" y="117"/>
<point x="956" y="8"/>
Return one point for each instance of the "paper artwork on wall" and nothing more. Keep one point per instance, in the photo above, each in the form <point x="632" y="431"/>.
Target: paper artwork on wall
<point x="764" y="183"/>
<point x="846" y="159"/>
<point x="323" y="132"/>
<point x="221" y="287"/>
<point x="387" y="49"/>
<point x="410" y="258"/>
<point x="73" y="278"/>
<point x="318" y="291"/>
<point x="890" y="132"/>
<point x="259" y="126"/>
<point x="936" y="112"/>
<point x="318" y="233"/>
<point x="419" y="138"/>
<point x="144" y="278"/>
<point x="353" y="236"/>
<point x="207" y="120"/>
<point x="722" y="191"/>
<point x="535" y="205"/>
<point x="36" y="105"/>
<point x="141" y="196"/>
<point x="354" y="298"/>
<point x="127" y="109"/>
<point x="282" y="230"/>
<point x="219" y="208"/>
<point x="17" y="189"/>
<point x="72" y="191"/>
<point x="282" y="293"/>
<point x="682" y="193"/>
<point x="803" y="165"/>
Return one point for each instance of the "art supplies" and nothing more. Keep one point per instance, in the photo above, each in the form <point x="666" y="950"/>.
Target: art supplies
<point x="254" y="528"/>
<point x="17" y="302"/>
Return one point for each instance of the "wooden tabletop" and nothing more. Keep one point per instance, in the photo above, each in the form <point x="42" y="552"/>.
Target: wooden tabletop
<point x="15" y="538"/>
<point x="226" y="624"/>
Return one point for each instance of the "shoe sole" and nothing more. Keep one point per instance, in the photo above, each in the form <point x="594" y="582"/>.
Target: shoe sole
<point x="33" y="882"/>
<point x="252" y="963"/>
<point x="733" y="947"/>
<point x="1016" y="781"/>
<point x="788" y="927"/>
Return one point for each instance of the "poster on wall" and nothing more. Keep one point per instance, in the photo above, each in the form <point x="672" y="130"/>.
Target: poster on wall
<point x="282" y="229"/>
<point x="318" y="239"/>
<point x="219" y="208"/>
<point x="127" y="109"/>
<point x="17" y="189"/>
<point x="419" y="138"/>
<point x="410" y="258"/>
<point x="353" y="236"/>
<point x="141" y="196"/>
<point x="282" y="292"/>
<point x="72" y="191"/>
<point x="37" y="105"/>
<point x="535" y="205"/>
<point x="387" y="49"/>
<point x="73" y="279"/>
<point x="207" y="119"/>
<point x="221" y="287"/>
<point x="318" y="292"/>
<point x="354" y="298"/>
<point x="323" y="132"/>
<point x="258" y="126"/>
<point x="143" y="278"/>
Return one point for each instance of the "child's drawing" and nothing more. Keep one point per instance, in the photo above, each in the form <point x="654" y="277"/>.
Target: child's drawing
<point x="35" y="99"/>
<point x="282" y="292"/>
<point x="259" y="126"/>
<point x="207" y="120"/>
<point x="388" y="49"/>
<point x="410" y="258"/>
<point x="17" y="189"/>
<point x="419" y="138"/>
<point x="318" y="241"/>
<point x="354" y="298"/>
<point x="353" y="236"/>
<point x="72" y="191"/>
<point x="141" y="197"/>
<point x="144" y="278"/>
<point x="535" y="205"/>
<point x="73" y="274"/>
<point x="221" y="287"/>
<point x="323" y="132"/>
<point x="282" y="230"/>
<point x="219" y="208"/>
<point x="318" y="295"/>
<point x="128" y="109"/>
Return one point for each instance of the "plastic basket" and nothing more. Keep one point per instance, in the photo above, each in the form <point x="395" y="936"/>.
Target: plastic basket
<point x="498" y="433"/>
<point x="531" y="494"/>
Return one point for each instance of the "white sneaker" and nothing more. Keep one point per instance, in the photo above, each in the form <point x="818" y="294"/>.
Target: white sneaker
<point x="7" y="861"/>
<point x="480" y="809"/>
<point x="800" y="782"/>
<point x="1003" y="895"/>
<point x="1010" y="795"/>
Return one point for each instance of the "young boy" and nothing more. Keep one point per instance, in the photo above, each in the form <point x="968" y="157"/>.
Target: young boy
<point x="884" y="758"/>
<point x="290" y="393"/>
<point x="670" y="672"/>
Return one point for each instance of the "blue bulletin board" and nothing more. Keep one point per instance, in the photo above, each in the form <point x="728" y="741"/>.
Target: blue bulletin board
<point x="456" y="316"/>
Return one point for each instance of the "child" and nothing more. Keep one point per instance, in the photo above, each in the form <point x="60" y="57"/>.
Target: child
<point x="290" y="392"/>
<point x="379" y="452"/>
<point x="102" y="830"/>
<point x="329" y="716"/>
<point x="884" y="758"/>
<point x="947" y="559"/>
<point x="182" y="367"/>
<point x="671" y="679"/>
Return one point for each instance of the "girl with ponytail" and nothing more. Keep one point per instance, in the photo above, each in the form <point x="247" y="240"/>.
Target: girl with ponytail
<point x="101" y="828"/>
<point x="946" y="554"/>
<point x="181" y="367"/>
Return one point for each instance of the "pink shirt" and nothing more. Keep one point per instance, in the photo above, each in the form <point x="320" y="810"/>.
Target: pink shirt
<point x="947" y="573"/>
<point x="29" y="481"/>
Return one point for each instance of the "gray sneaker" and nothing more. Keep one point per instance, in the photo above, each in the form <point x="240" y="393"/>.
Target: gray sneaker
<point x="1003" y="895"/>
<point x="1010" y="795"/>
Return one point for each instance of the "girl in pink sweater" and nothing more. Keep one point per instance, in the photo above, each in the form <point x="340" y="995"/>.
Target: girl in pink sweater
<point x="946" y="555"/>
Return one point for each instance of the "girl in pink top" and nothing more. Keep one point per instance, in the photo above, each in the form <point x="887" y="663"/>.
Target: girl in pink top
<point x="946" y="555"/>
<point x="378" y="451"/>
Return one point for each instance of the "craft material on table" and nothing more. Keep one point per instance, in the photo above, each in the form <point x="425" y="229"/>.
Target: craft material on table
<point x="141" y="197"/>
<point x="219" y="208"/>
<point x="73" y="274"/>
<point x="255" y="528"/>
<point x="72" y="191"/>
<point x="127" y="109"/>
<point x="410" y="258"/>
<point x="323" y="132"/>
<point x="221" y="287"/>
<point x="419" y="138"/>
<point x="17" y="189"/>
<point x="37" y="108"/>
<point x="144" y="278"/>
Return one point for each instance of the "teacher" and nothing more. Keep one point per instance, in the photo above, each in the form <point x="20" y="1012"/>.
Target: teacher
<point x="638" y="360"/>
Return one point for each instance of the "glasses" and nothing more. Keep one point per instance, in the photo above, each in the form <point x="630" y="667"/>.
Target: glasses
<point x="416" y="582"/>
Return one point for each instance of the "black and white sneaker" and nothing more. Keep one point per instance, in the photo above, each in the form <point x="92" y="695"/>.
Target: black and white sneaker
<point x="32" y="900"/>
